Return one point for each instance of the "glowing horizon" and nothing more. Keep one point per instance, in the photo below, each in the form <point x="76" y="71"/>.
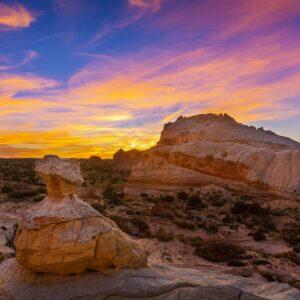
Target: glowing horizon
<point x="81" y="78"/>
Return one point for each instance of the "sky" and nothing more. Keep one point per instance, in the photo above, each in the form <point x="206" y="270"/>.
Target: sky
<point x="84" y="77"/>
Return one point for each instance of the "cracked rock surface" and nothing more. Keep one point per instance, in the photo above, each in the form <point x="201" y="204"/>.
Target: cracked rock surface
<point x="65" y="235"/>
<point x="156" y="282"/>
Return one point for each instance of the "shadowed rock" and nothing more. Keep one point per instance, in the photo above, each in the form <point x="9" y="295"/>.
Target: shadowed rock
<point x="65" y="235"/>
<point x="156" y="282"/>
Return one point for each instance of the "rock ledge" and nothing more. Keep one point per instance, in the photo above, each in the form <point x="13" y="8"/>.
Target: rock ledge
<point x="156" y="282"/>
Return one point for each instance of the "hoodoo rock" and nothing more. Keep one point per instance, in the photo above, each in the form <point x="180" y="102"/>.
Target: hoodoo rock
<point x="64" y="235"/>
<point x="215" y="149"/>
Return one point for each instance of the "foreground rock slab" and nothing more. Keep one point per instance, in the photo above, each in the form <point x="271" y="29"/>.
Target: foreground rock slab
<point x="155" y="282"/>
<point x="64" y="235"/>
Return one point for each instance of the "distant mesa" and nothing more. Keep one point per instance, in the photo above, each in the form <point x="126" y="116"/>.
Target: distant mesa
<point x="64" y="235"/>
<point x="210" y="148"/>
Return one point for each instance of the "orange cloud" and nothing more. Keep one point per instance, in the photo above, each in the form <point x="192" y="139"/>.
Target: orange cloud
<point x="123" y="101"/>
<point x="15" y="16"/>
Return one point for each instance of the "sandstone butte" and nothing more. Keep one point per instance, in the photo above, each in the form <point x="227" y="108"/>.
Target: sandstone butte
<point x="215" y="149"/>
<point x="65" y="235"/>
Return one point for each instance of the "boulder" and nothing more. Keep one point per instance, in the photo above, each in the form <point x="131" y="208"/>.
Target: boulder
<point x="155" y="282"/>
<point x="65" y="235"/>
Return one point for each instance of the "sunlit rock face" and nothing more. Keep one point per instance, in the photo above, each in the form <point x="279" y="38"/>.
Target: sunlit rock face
<point x="216" y="149"/>
<point x="65" y="235"/>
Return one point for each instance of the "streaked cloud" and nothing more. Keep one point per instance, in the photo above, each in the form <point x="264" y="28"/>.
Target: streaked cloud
<point x="200" y="56"/>
<point x="15" y="16"/>
<point x="10" y="63"/>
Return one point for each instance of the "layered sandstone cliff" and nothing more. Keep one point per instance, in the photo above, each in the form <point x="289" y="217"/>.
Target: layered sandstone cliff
<point x="211" y="148"/>
<point x="65" y="235"/>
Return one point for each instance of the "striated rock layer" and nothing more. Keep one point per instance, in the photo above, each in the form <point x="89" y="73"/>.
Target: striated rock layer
<point x="211" y="148"/>
<point x="156" y="282"/>
<point x="65" y="235"/>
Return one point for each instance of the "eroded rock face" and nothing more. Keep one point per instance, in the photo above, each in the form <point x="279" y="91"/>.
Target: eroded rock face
<point x="206" y="149"/>
<point x="65" y="235"/>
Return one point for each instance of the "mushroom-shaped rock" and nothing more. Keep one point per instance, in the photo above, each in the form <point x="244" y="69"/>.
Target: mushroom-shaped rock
<point x="65" y="235"/>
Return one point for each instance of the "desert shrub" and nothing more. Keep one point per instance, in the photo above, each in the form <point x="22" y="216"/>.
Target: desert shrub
<point x="236" y="263"/>
<point x="114" y="197"/>
<point x="228" y="219"/>
<point x="218" y="251"/>
<point x="296" y="248"/>
<point x="292" y="256"/>
<point x="22" y="194"/>
<point x="163" y="236"/>
<point x="143" y="227"/>
<point x="182" y="196"/>
<point x="7" y="189"/>
<point x="265" y="222"/>
<point x="260" y="262"/>
<point x="98" y="207"/>
<point x="246" y="197"/>
<point x="166" y="198"/>
<point x="195" y="202"/>
<point x="41" y="190"/>
<point x="217" y="199"/>
<point x="248" y="208"/>
<point x="291" y="233"/>
<point x="259" y="235"/>
<point x="122" y="223"/>
<point x="38" y="198"/>
<point x="16" y="178"/>
<point x="233" y="226"/>
<point x="190" y="240"/>
<point x="212" y="228"/>
<point x="185" y="225"/>
<point x="162" y="210"/>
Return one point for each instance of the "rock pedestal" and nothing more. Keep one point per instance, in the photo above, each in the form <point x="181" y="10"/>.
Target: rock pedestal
<point x="64" y="235"/>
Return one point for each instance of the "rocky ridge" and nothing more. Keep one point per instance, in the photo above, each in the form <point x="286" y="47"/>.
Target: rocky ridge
<point x="205" y="149"/>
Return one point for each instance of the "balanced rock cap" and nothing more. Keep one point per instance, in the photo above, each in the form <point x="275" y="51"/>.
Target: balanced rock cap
<point x="52" y="165"/>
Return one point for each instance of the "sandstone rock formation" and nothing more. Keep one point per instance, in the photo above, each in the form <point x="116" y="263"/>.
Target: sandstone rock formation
<point x="65" y="235"/>
<point x="156" y="282"/>
<point x="127" y="159"/>
<point x="215" y="149"/>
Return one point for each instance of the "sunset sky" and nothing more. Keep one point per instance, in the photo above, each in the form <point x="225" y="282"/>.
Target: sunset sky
<point x="83" y="77"/>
